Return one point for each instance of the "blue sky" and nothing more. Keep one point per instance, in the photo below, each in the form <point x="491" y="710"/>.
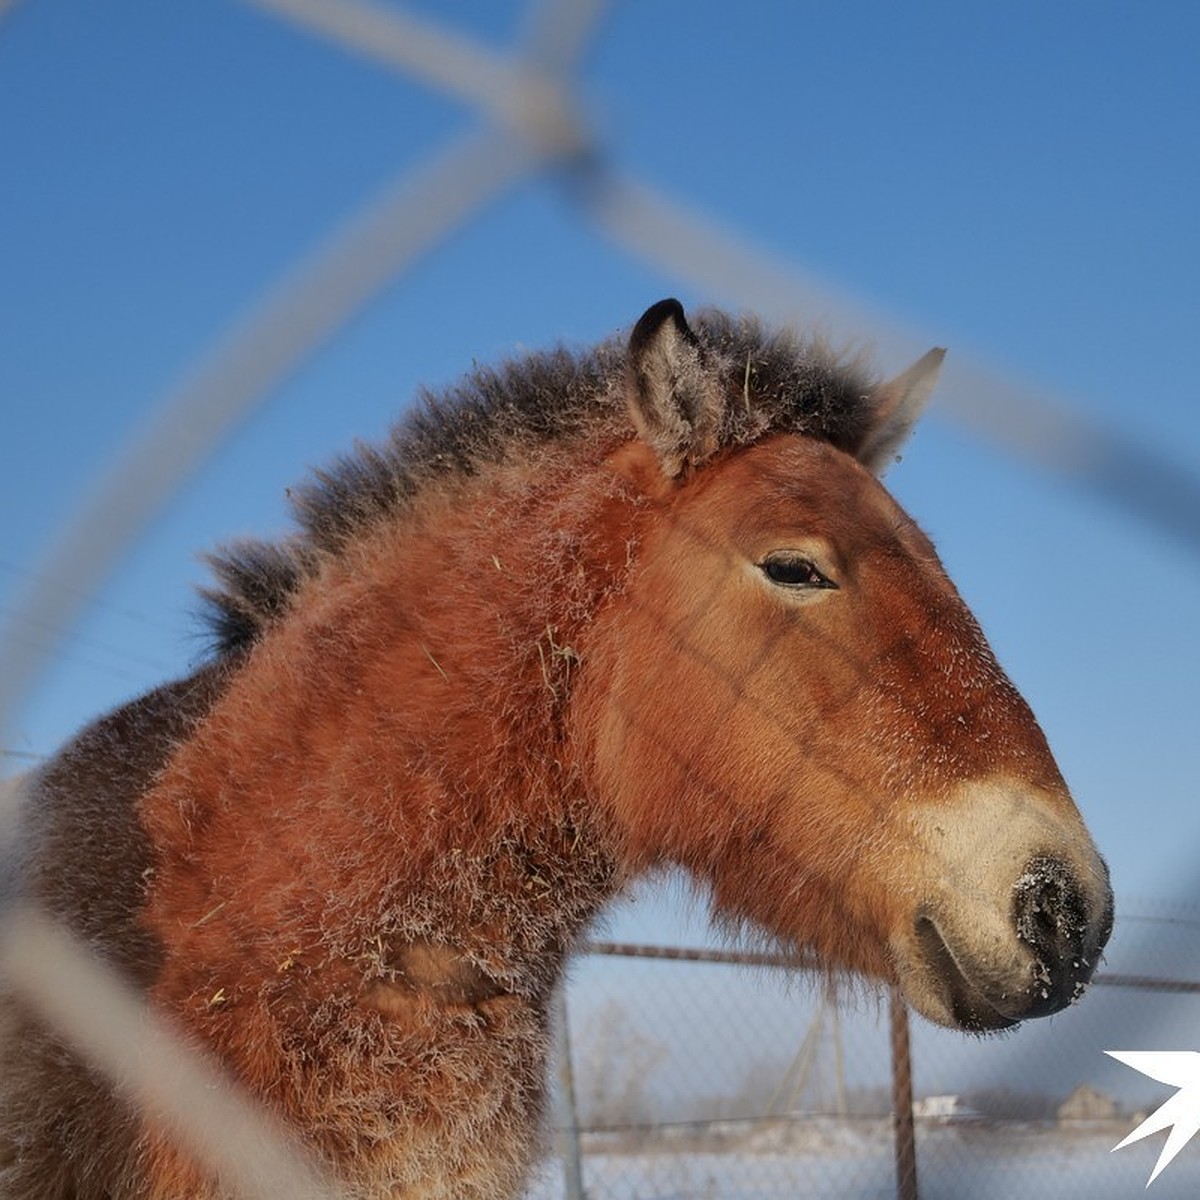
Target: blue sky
<point x="1017" y="180"/>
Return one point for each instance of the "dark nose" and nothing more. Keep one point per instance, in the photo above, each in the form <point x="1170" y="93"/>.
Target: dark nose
<point x="1051" y="916"/>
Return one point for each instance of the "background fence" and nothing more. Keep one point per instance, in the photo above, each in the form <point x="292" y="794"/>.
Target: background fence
<point x="702" y="1073"/>
<point x="657" y="1118"/>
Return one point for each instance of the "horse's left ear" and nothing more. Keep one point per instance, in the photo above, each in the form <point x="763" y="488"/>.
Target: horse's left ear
<point x="895" y="407"/>
<point x="674" y="397"/>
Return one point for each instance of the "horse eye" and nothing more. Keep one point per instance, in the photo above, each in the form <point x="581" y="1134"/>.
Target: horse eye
<point x="796" y="572"/>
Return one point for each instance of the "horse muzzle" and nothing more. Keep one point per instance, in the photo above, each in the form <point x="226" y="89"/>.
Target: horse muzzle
<point x="1013" y="930"/>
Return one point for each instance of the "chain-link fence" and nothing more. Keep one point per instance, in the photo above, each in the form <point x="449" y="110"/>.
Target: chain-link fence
<point x="697" y="1073"/>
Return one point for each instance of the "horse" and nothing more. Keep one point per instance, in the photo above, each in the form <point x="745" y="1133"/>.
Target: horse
<point x="584" y="616"/>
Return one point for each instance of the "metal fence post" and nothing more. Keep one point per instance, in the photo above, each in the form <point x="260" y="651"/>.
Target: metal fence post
<point x="902" y="1107"/>
<point x="568" y="1132"/>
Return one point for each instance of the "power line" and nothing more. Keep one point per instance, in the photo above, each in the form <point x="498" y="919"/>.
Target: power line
<point x="30" y="755"/>
<point x="47" y="651"/>
<point x="86" y="640"/>
<point x="93" y="601"/>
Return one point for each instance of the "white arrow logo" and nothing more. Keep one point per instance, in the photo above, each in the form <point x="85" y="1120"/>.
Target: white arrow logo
<point x="1181" y="1069"/>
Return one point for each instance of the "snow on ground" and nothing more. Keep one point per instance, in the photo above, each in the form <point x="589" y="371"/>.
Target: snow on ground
<point x="832" y="1161"/>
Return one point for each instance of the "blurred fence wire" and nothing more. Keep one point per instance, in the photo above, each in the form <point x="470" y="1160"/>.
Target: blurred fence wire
<point x="532" y="120"/>
<point x="116" y="1032"/>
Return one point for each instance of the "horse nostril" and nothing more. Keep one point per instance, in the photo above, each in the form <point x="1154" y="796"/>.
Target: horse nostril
<point x="1050" y="914"/>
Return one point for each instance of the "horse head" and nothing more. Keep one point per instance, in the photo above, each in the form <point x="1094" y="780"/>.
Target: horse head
<point x="790" y="700"/>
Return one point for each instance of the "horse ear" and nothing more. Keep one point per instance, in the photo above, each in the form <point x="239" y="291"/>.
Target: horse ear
<point x="895" y="407"/>
<point x="674" y="400"/>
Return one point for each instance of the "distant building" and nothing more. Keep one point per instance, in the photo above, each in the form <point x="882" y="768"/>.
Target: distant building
<point x="938" y="1108"/>
<point x="1087" y="1104"/>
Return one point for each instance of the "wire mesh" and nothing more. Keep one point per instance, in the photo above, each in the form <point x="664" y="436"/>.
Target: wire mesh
<point x="707" y="1076"/>
<point x="773" y="1112"/>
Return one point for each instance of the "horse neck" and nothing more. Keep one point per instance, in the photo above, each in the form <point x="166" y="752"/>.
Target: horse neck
<point x="391" y="766"/>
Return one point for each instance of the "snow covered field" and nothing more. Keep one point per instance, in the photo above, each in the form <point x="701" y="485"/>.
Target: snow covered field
<point x="827" y="1161"/>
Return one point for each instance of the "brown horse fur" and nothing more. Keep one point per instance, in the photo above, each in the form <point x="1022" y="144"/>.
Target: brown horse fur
<point x="583" y="616"/>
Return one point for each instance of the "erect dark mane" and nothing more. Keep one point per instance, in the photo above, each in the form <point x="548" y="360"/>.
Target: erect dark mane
<point x="774" y="381"/>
